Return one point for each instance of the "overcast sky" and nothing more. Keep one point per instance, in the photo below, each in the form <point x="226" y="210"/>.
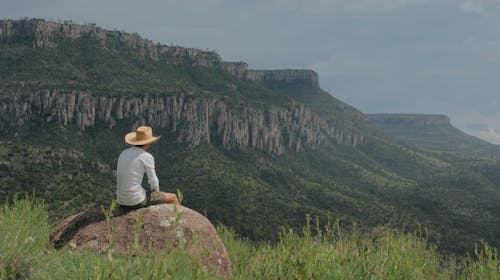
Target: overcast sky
<point x="381" y="56"/>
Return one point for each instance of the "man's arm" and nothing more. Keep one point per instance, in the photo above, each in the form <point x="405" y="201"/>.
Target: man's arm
<point x="149" y="166"/>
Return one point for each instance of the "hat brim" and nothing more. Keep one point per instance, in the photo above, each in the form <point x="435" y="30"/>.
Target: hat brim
<point x="130" y="139"/>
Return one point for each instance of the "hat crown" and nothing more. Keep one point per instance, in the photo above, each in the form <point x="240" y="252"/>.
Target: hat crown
<point x="143" y="133"/>
<point x="141" y="136"/>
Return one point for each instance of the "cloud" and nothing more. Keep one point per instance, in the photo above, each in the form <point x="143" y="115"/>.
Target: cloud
<point x="365" y="6"/>
<point x="473" y="6"/>
<point x="491" y="135"/>
<point x="352" y="6"/>
<point x="479" y="127"/>
<point x="479" y="120"/>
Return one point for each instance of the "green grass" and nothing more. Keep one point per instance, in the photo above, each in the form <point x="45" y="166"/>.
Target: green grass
<point x="24" y="232"/>
<point x="381" y="254"/>
<point x="315" y="253"/>
<point x="82" y="265"/>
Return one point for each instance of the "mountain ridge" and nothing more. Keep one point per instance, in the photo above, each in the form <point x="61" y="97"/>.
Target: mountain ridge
<point x="43" y="33"/>
<point x="432" y="131"/>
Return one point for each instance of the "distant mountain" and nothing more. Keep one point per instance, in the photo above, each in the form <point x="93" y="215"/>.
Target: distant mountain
<point x="433" y="132"/>
<point x="252" y="149"/>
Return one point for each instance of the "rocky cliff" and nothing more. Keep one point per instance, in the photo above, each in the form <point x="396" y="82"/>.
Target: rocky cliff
<point x="240" y="69"/>
<point x="194" y="119"/>
<point x="287" y="75"/>
<point x="43" y="33"/>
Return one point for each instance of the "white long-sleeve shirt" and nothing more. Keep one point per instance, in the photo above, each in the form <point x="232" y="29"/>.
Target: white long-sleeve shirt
<point x="132" y="164"/>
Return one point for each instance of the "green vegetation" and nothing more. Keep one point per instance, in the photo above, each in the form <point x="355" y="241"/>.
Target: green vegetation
<point x="451" y="188"/>
<point x="24" y="232"/>
<point x="55" y="174"/>
<point x="316" y="253"/>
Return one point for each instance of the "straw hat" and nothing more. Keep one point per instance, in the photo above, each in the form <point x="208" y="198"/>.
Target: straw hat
<point x="142" y="136"/>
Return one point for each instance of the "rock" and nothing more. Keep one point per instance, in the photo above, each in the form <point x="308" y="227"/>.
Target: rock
<point x="240" y="70"/>
<point x="163" y="228"/>
<point x="205" y="119"/>
<point x="309" y="77"/>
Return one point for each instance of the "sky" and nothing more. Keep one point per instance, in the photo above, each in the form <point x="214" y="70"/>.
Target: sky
<point x="380" y="56"/>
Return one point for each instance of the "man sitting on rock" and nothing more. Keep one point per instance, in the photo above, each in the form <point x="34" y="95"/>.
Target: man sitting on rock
<point x="132" y="164"/>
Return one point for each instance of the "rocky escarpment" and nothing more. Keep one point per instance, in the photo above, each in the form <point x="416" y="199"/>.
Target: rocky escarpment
<point x="413" y="120"/>
<point x="240" y="69"/>
<point x="195" y="119"/>
<point x="43" y="33"/>
<point x="40" y="33"/>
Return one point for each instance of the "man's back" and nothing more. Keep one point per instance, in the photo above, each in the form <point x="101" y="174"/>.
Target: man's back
<point x="132" y="164"/>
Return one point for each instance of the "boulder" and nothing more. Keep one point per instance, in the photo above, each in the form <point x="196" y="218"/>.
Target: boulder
<point x="162" y="227"/>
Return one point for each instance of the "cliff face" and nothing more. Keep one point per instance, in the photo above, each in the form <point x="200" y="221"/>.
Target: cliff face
<point x="240" y="69"/>
<point x="194" y="119"/>
<point x="289" y="75"/>
<point x="43" y="33"/>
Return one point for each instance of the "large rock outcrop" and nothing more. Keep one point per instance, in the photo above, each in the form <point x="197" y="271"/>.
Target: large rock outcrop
<point x="308" y="77"/>
<point x="195" y="119"/>
<point x="240" y="69"/>
<point x="162" y="228"/>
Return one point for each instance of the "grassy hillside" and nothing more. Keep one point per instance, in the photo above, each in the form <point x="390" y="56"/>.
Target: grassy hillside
<point x="315" y="253"/>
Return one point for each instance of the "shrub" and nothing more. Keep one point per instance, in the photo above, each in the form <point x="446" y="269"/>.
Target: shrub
<point x="24" y="232"/>
<point x="484" y="264"/>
